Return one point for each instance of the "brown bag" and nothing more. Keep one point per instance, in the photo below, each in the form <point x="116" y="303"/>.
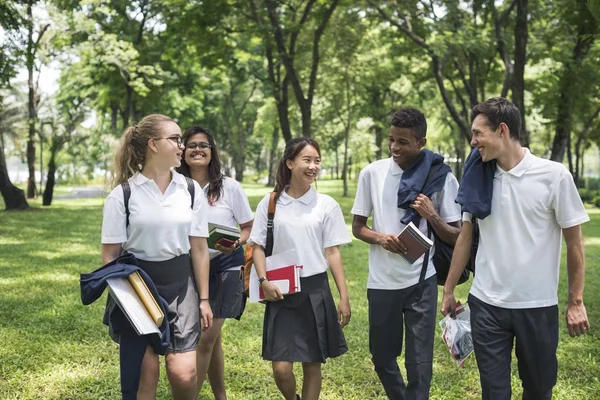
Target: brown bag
<point x="247" y="267"/>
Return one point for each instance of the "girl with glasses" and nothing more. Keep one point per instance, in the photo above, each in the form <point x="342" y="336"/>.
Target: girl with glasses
<point x="228" y="206"/>
<point x="163" y="230"/>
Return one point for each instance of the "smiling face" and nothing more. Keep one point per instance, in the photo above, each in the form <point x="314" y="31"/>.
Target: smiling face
<point x="305" y="166"/>
<point x="404" y="145"/>
<point x="487" y="140"/>
<point x="198" y="151"/>
<point x="167" y="145"/>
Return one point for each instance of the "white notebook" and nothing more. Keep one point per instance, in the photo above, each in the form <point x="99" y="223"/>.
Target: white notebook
<point x="131" y="305"/>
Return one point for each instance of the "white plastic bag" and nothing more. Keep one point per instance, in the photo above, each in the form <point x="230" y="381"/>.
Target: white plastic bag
<point x="456" y="333"/>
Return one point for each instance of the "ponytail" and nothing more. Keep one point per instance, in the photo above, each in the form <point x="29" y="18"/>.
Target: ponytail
<point x="131" y="154"/>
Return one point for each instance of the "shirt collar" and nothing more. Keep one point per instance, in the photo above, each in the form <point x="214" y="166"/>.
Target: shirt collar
<point x="305" y="199"/>
<point x="139" y="179"/>
<point x="395" y="168"/>
<point x="519" y="169"/>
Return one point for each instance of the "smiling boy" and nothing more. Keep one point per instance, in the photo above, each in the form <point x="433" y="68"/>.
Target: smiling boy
<point x="400" y="299"/>
<point x="534" y="203"/>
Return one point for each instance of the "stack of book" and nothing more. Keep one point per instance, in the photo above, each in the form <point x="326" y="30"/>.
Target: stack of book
<point x="282" y="271"/>
<point x="221" y="234"/>
<point x="137" y="303"/>
<point x="416" y="242"/>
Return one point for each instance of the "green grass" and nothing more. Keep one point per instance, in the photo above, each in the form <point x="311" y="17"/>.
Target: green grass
<point x="52" y="347"/>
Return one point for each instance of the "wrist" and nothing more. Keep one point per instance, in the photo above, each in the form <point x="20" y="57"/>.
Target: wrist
<point x="262" y="280"/>
<point x="448" y="291"/>
<point x="575" y="300"/>
<point x="204" y="299"/>
<point x="375" y="239"/>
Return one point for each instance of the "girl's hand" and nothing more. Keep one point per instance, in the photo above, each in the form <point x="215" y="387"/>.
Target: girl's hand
<point x="271" y="291"/>
<point x="206" y="315"/>
<point x="344" y="312"/>
<point x="227" y="249"/>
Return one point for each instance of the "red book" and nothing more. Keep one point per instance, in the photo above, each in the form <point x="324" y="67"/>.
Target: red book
<point x="287" y="279"/>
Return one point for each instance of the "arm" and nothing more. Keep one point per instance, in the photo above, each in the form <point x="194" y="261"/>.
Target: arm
<point x="389" y="242"/>
<point x="334" y="259"/>
<point x="577" y="320"/>
<point x="110" y="252"/>
<point x="201" y="267"/>
<point x="272" y="292"/>
<point x="460" y="258"/>
<point x="448" y="232"/>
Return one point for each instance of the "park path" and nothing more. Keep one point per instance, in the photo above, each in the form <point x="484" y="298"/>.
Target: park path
<point x="83" y="192"/>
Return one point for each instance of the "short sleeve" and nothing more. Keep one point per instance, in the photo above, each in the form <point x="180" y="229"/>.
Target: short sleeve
<point x="363" y="204"/>
<point x="567" y="204"/>
<point x="467" y="217"/>
<point x="258" y="235"/>
<point x="240" y="204"/>
<point x="335" y="231"/>
<point x="199" y="223"/>
<point x="114" y="224"/>
<point x="449" y="209"/>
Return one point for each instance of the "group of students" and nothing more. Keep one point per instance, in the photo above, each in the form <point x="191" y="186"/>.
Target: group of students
<point x="524" y="205"/>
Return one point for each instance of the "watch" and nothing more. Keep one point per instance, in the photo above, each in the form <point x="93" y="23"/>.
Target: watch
<point x="261" y="280"/>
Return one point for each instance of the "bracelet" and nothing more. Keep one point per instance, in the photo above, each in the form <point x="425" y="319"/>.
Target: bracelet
<point x="204" y="299"/>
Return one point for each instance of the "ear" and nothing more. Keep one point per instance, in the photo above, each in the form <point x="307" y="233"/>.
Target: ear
<point x="422" y="142"/>
<point x="504" y="131"/>
<point x="152" y="145"/>
<point x="288" y="163"/>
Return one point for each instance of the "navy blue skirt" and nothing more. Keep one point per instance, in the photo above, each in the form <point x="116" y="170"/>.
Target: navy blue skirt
<point x="303" y="327"/>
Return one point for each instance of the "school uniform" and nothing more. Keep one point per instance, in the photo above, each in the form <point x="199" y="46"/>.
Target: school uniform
<point x="226" y="287"/>
<point x="398" y="303"/>
<point x="158" y="236"/>
<point x="514" y="293"/>
<point x="303" y="327"/>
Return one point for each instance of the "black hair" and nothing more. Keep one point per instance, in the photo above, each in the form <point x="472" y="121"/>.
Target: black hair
<point x="498" y="110"/>
<point x="292" y="149"/>
<point x="411" y="118"/>
<point x="215" y="175"/>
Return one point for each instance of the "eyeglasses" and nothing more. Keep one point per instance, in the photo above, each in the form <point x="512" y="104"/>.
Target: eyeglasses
<point x="194" y="145"/>
<point x="175" y="139"/>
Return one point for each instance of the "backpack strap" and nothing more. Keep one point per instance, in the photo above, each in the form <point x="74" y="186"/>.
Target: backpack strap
<point x="191" y="189"/>
<point x="270" y="218"/>
<point x="126" y="195"/>
<point x="425" y="260"/>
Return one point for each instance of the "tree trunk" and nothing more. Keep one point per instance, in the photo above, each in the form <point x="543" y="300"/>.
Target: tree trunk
<point x="273" y="157"/>
<point x="345" y="171"/>
<point x="14" y="198"/>
<point x="30" y="57"/>
<point x="564" y="114"/>
<point x="520" y="60"/>
<point x="378" y="142"/>
<point x="51" y="177"/>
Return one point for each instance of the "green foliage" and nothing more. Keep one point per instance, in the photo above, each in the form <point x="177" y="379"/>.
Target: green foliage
<point x="54" y="348"/>
<point x="588" y="195"/>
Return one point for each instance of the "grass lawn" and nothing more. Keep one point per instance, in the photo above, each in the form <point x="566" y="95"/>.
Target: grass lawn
<point x="53" y="347"/>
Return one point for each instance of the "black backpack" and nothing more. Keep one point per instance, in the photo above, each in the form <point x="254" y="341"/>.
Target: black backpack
<point x="443" y="251"/>
<point x="127" y="194"/>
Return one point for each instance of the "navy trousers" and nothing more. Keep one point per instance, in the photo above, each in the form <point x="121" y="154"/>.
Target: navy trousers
<point x="392" y="313"/>
<point x="535" y="331"/>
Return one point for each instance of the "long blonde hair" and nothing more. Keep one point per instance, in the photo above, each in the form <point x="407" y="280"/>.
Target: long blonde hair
<point x="131" y="154"/>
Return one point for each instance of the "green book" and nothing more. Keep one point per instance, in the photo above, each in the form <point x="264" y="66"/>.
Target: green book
<point x="224" y="235"/>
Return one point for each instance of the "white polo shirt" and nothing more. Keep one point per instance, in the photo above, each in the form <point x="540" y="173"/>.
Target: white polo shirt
<point x="377" y="195"/>
<point x="518" y="258"/>
<point x="159" y="225"/>
<point x="308" y="224"/>
<point x="231" y="210"/>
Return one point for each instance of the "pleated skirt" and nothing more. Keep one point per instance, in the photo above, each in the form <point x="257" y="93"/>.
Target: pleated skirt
<point x="303" y="327"/>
